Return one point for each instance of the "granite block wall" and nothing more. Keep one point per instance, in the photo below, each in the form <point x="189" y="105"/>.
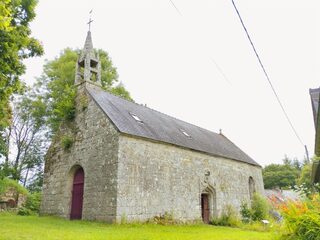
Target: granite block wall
<point x="154" y="178"/>
<point x="95" y="149"/>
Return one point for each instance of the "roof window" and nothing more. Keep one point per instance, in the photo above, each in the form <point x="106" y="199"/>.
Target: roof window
<point x="135" y="117"/>
<point x="185" y="133"/>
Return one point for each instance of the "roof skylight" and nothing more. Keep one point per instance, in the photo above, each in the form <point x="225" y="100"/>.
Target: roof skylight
<point x="135" y="117"/>
<point x="185" y="133"/>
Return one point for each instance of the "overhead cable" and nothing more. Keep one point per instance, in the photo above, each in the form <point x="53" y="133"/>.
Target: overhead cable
<point x="224" y="76"/>
<point x="266" y="74"/>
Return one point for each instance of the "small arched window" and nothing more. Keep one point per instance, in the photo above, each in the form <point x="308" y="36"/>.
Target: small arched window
<point x="252" y="189"/>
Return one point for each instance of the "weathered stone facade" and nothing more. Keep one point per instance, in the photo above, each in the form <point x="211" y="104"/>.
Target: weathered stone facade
<point x="95" y="149"/>
<point x="154" y="178"/>
<point x="137" y="179"/>
<point x="139" y="168"/>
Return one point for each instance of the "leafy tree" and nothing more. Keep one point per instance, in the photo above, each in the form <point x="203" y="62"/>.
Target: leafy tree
<point x="36" y="181"/>
<point x="38" y="114"/>
<point x="25" y="138"/>
<point x="5" y="15"/>
<point x="57" y="85"/>
<point x="16" y="44"/>
<point x="279" y="176"/>
<point x="295" y="163"/>
<point x="304" y="183"/>
<point x="305" y="177"/>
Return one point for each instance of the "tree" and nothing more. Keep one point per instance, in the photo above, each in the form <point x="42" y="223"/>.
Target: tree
<point x="279" y="176"/>
<point x="36" y="181"/>
<point x="304" y="183"/>
<point x="305" y="177"/>
<point x="5" y="15"/>
<point x="295" y="163"/>
<point x="56" y="85"/>
<point x="16" y="44"/>
<point x="37" y="115"/>
<point x="25" y="138"/>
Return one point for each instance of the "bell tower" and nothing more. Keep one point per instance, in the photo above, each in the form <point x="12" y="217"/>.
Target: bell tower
<point x="88" y="67"/>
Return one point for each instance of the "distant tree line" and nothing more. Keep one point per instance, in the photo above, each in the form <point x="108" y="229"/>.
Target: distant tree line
<point x="288" y="175"/>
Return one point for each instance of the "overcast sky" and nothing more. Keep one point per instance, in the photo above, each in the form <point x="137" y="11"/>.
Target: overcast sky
<point x="198" y="66"/>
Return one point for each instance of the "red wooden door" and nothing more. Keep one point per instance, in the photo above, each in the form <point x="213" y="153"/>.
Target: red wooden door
<point x="77" y="195"/>
<point x="205" y="208"/>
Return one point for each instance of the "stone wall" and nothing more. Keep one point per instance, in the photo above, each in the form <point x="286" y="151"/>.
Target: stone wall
<point x="95" y="149"/>
<point x="154" y="178"/>
<point x="11" y="198"/>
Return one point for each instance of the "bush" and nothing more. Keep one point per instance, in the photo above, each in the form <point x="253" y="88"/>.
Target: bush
<point x="245" y="212"/>
<point x="257" y="212"/>
<point x="31" y="206"/>
<point x="229" y="217"/>
<point x="33" y="202"/>
<point x="302" y="219"/>
<point x="259" y="208"/>
<point x="24" y="211"/>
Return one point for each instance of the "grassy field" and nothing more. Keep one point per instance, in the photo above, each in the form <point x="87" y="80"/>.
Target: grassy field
<point x="47" y="228"/>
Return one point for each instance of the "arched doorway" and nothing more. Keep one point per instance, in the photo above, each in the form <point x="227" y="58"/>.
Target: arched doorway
<point x="208" y="204"/>
<point x="205" y="208"/>
<point x="11" y="203"/>
<point x="77" y="194"/>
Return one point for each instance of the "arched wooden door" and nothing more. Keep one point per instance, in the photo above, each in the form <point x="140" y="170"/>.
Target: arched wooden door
<point x="205" y="210"/>
<point x="77" y="194"/>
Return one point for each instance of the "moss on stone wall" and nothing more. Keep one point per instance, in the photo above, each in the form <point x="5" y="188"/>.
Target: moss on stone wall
<point x="66" y="142"/>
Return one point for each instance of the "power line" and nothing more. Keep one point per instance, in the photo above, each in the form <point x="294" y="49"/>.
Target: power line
<point x="220" y="70"/>
<point x="175" y="7"/>
<point x="266" y="74"/>
<point x="224" y="76"/>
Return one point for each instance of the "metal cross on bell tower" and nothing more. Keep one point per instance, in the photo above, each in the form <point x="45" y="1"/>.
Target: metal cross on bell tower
<point x="88" y="67"/>
<point x="90" y="20"/>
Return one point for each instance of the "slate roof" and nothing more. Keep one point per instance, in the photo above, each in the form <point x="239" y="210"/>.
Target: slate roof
<point x="161" y="127"/>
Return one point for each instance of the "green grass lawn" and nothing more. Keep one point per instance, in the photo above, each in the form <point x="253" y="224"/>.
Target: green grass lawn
<point x="47" y="228"/>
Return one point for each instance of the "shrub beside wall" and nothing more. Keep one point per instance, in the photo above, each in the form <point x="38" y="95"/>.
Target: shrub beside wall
<point x="258" y="211"/>
<point x="32" y="205"/>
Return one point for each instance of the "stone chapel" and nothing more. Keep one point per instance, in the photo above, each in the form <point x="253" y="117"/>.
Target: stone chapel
<point x="130" y="161"/>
